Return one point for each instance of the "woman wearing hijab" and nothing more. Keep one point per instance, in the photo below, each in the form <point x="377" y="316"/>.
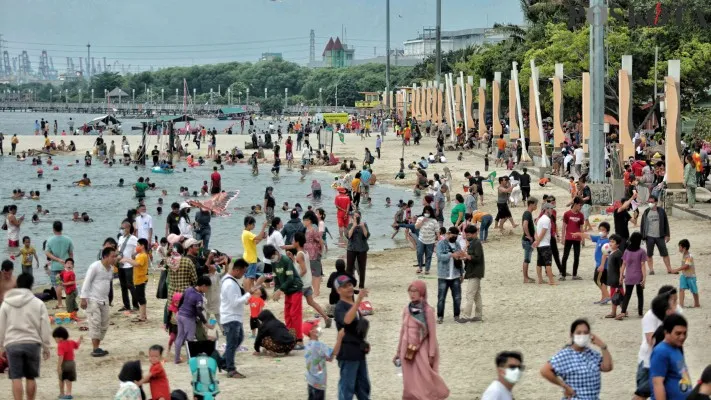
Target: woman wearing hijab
<point x="184" y="223"/>
<point x="417" y="350"/>
<point x="129" y="376"/>
<point x="273" y="335"/>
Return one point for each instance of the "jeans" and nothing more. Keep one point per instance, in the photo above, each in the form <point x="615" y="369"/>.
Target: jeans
<point x="484" y="227"/>
<point x="126" y="281"/>
<point x="316" y="394"/>
<point x="205" y="237"/>
<point x="442" y="286"/>
<point x="354" y="380"/>
<point x="424" y="253"/>
<point x="576" y="256"/>
<point x="186" y="332"/>
<point x="234" y="335"/>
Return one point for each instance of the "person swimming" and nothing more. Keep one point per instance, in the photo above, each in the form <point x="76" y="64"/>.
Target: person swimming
<point x="120" y="184"/>
<point x="84" y="181"/>
<point x="285" y="206"/>
<point x="35" y="219"/>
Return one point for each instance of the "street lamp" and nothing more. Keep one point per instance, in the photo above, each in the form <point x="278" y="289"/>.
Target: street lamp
<point x="133" y="97"/>
<point x="50" y="96"/>
<point x="210" y="96"/>
<point x="247" y="102"/>
<point x="265" y="94"/>
<point x="162" y="96"/>
<point x="92" y="96"/>
<point x="79" y="96"/>
<point x="66" y="96"/>
<point x="320" y="102"/>
<point x="229" y="96"/>
<point x="286" y="97"/>
<point x="239" y="97"/>
<point x="176" y="97"/>
<point x="194" y="94"/>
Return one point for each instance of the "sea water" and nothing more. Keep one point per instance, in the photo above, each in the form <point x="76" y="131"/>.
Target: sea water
<point x="107" y="204"/>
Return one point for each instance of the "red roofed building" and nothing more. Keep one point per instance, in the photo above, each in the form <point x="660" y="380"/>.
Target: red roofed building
<point x="336" y="54"/>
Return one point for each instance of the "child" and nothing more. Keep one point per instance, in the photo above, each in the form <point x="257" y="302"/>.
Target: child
<point x="171" y="319"/>
<point x="26" y="254"/>
<point x="157" y="378"/>
<point x="614" y="265"/>
<point x="600" y="275"/>
<point x="140" y="277"/>
<point x="316" y="354"/>
<point x="69" y="281"/>
<point x="486" y="162"/>
<point x="399" y="218"/>
<point x="66" y="368"/>
<point x="333" y="297"/>
<point x="256" y="305"/>
<point x="687" y="279"/>
<point x="633" y="274"/>
<point x="387" y="202"/>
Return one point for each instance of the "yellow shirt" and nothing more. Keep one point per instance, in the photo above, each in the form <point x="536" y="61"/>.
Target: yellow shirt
<point x="355" y="185"/>
<point x="250" y="248"/>
<point x="27" y="254"/>
<point x="140" y="271"/>
<point x="478" y="215"/>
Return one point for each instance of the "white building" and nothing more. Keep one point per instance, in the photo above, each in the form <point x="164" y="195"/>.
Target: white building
<point x="425" y="44"/>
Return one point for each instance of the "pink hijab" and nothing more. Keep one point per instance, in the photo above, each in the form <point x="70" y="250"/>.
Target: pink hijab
<point x="418" y="311"/>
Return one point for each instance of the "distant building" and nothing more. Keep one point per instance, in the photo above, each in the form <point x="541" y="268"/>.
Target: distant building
<point x="425" y="44"/>
<point x="337" y="54"/>
<point x="270" y="57"/>
<point x="397" y="59"/>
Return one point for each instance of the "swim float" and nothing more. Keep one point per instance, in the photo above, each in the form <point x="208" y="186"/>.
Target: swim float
<point x="159" y="170"/>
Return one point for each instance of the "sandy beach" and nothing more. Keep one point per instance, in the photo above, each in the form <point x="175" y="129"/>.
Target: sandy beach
<point x="530" y="318"/>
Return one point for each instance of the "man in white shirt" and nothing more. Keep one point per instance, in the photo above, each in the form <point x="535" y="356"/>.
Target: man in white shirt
<point x="509" y="367"/>
<point x="127" y="247"/>
<point x="543" y="244"/>
<point x="144" y="223"/>
<point x="232" y="301"/>
<point x="95" y="298"/>
<point x="306" y="157"/>
<point x="579" y="154"/>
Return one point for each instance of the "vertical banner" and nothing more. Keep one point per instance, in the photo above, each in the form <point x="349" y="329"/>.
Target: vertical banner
<point x="458" y="101"/>
<point x="482" y="108"/>
<point x="470" y="101"/>
<point x="533" y="133"/>
<point x="625" y="108"/>
<point x="586" y="109"/>
<point x="673" y="153"/>
<point x="514" y="130"/>
<point x="496" y="104"/>
<point x="558" y="133"/>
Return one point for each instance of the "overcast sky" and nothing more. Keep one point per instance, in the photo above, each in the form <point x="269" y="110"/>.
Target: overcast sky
<point x="158" y="33"/>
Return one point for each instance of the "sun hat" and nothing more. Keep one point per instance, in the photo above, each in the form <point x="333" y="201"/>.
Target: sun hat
<point x="191" y="242"/>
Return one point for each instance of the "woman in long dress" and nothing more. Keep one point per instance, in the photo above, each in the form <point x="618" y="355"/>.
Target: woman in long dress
<point x="420" y="373"/>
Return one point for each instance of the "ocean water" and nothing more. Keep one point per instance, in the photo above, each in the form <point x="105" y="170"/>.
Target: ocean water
<point x="23" y="123"/>
<point x="107" y="204"/>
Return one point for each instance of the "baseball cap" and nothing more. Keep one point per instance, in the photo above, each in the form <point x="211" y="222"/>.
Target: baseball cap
<point x="547" y="206"/>
<point x="191" y="242"/>
<point x="341" y="280"/>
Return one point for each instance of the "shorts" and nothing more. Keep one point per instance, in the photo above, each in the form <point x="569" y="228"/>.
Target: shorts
<point x="545" y="256"/>
<point x="98" y="319"/>
<point x="13" y="243"/>
<point x="366" y="189"/>
<point x="504" y="211"/>
<point x="688" y="282"/>
<point x="269" y="214"/>
<point x="27" y="269"/>
<point x="140" y="293"/>
<point x="254" y="323"/>
<point x="24" y="360"/>
<point x="252" y="271"/>
<point x="600" y="278"/>
<point x="289" y="156"/>
<point x="643" y="389"/>
<point x="342" y="219"/>
<point x="661" y="245"/>
<point x="316" y="267"/>
<point x="69" y="371"/>
<point x="586" y="210"/>
<point x="305" y="161"/>
<point x="55" y="280"/>
<point x="500" y="154"/>
<point x="307" y="291"/>
<point x="527" y="250"/>
<point x="71" y="302"/>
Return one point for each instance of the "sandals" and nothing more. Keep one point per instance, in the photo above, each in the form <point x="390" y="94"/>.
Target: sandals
<point x="419" y="271"/>
<point x="621" y="317"/>
<point x="611" y="316"/>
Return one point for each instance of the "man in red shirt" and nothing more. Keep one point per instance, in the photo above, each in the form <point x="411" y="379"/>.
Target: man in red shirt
<point x="216" y="180"/>
<point x="637" y="168"/>
<point x="573" y="221"/>
<point x="343" y="205"/>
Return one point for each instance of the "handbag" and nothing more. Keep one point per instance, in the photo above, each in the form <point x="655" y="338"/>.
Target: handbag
<point x="617" y="298"/>
<point x="411" y="351"/>
<point x="162" y="290"/>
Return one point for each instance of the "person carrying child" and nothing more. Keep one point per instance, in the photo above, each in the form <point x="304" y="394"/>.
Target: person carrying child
<point x="316" y="354"/>
<point x="66" y="368"/>
<point x="157" y="378"/>
<point x="140" y="276"/>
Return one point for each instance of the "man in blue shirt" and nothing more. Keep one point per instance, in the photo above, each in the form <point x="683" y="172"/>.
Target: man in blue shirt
<point x="669" y="376"/>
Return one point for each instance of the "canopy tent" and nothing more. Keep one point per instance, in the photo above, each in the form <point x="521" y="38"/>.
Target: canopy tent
<point x="106" y="120"/>
<point x="173" y="118"/>
<point x="231" y="110"/>
<point x="117" y="92"/>
<point x="609" y="119"/>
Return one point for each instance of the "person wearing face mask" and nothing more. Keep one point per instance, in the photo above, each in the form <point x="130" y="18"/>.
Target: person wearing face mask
<point x="449" y="273"/>
<point x="655" y="232"/>
<point x="417" y="350"/>
<point x="509" y="366"/>
<point x="427" y="228"/>
<point x="576" y="368"/>
<point x="600" y="274"/>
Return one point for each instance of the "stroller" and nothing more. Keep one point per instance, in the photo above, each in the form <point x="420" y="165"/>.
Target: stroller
<point x="203" y="368"/>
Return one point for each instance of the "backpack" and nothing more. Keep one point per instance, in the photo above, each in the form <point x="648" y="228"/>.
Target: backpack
<point x="204" y="382"/>
<point x="371" y="159"/>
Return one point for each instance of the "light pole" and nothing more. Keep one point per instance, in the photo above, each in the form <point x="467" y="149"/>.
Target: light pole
<point x="162" y="97"/>
<point x="286" y="97"/>
<point x="50" y="97"/>
<point x="336" y="95"/>
<point x="133" y="98"/>
<point x="247" y="97"/>
<point x="210" y="96"/>
<point x="239" y="97"/>
<point x="265" y="93"/>
<point x="92" y="96"/>
<point x="66" y="96"/>
<point x="320" y="102"/>
<point x="229" y="96"/>
<point x="176" y="98"/>
<point x="387" y="56"/>
<point x="79" y="96"/>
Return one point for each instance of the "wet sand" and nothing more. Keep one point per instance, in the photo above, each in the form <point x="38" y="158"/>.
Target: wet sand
<point x="530" y="318"/>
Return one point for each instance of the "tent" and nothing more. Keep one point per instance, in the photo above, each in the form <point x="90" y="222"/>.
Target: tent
<point x="106" y="120"/>
<point x="117" y="92"/>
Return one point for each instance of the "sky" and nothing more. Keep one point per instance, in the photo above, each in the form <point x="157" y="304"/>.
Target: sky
<point x="160" y="33"/>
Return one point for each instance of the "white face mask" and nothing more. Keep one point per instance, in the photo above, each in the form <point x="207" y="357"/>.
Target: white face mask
<point x="581" y="340"/>
<point x="426" y="215"/>
<point x="603" y="233"/>
<point x="512" y="375"/>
